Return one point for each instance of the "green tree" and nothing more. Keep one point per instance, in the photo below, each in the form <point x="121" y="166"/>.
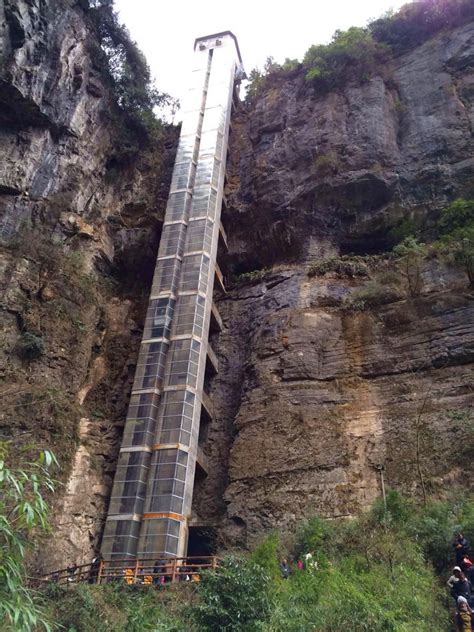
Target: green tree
<point x="23" y="511"/>
<point x="235" y="598"/>
<point x="128" y="72"/>
<point x="411" y="253"/>
<point x="456" y="228"/>
<point x="351" y="54"/>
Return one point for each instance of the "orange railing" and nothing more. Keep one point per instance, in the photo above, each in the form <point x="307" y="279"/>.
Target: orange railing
<point x="134" y="572"/>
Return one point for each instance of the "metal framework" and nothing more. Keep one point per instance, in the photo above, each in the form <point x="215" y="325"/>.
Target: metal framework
<point x="153" y="486"/>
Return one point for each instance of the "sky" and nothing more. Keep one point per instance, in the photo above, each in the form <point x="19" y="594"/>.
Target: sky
<point x="165" y="30"/>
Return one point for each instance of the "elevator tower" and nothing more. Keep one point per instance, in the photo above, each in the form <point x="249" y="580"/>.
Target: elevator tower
<point x="152" y="492"/>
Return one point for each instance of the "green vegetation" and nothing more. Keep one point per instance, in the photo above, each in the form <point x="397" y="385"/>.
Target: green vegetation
<point x="234" y="599"/>
<point x="255" y="276"/>
<point x="30" y="346"/>
<point x="456" y="234"/>
<point x="454" y="242"/>
<point x="343" y="266"/>
<point x="415" y="22"/>
<point x="23" y="511"/>
<point x="351" y="54"/>
<point x="258" y="79"/>
<point x="369" y="295"/>
<point x="411" y="253"/>
<point x="119" y="59"/>
<point x="113" y="608"/>
<point x="356" y="54"/>
<point x="403" y="266"/>
<point x="376" y="572"/>
<point x="327" y="164"/>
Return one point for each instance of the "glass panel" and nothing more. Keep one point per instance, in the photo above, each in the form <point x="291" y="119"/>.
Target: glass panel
<point x="140" y="424"/>
<point x="182" y="364"/>
<point x="172" y="239"/>
<point x="199" y="236"/>
<point x="177" y="207"/>
<point x="159" y="536"/>
<point x="150" y="367"/>
<point x="158" y="318"/>
<point x="166" y="276"/>
<point x="189" y="315"/>
<point x="120" y="538"/>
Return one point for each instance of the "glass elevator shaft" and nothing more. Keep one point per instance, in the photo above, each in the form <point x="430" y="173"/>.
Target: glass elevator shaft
<point x="152" y="492"/>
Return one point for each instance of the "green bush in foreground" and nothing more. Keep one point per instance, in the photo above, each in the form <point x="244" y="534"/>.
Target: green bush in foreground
<point x="236" y="598"/>
<point x="110" y="608"/>
<point x="23" y="511"/>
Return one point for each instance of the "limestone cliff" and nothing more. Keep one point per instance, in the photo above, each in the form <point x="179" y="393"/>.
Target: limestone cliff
<point x="322" y="378"/>
<point x="312" y="397"/>
<point x="80" y="223"/>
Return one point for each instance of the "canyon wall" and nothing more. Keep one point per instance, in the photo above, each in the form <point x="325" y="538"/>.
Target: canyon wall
<point x="80" y="219"/>
<point x="325" y="379"/>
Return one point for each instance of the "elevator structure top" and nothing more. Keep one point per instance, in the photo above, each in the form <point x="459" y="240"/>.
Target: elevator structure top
<point x="152" y="493"/>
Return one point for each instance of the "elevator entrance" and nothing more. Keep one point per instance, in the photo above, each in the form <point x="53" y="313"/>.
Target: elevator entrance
<point x="202" y="541"/>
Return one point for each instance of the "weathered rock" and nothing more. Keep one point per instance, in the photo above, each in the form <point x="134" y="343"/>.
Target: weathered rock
<point x="314" y="392"/>
<point x="312" y="397"/>
<point x="60" y="169"/>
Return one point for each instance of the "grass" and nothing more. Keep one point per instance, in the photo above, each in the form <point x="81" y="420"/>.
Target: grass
<point x="375" y="573"/>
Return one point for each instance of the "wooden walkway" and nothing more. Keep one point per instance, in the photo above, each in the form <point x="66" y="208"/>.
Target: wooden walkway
<point x="138" y="572"/>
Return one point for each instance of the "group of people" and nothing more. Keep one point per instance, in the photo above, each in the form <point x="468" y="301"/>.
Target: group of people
<point x="460" y="584"/>
<point x="157" y="573"/>
<point x="307" y="561"/>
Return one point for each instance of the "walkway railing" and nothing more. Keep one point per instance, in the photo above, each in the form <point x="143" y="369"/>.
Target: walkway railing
<point x="133" y="572"/>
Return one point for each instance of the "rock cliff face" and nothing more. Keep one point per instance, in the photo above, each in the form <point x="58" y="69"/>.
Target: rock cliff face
<point x="80" y="227"/>
<point x="313" y="397"/>
<point x="323" y="378"/>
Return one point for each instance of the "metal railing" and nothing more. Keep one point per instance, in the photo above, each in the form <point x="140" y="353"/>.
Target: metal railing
<point x="138" y="572"/>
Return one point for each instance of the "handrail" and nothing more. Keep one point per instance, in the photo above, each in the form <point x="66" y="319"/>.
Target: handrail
<point x="133" y="571"/>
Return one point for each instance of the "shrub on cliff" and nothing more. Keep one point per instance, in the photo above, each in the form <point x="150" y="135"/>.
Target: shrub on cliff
<point x="30" y="346"/>
<point x="356" y="54"/>
<point x="417" y="21"/>
<point x="456" y="230"/>
<point x="411" y="253"/>
<point x="351" y="54"/>
<point x="126" y="67"/>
